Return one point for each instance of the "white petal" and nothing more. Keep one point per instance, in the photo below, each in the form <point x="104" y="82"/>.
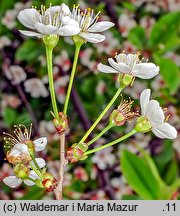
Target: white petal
<point x="165" y="130"/>
<point x="106" y="69"/>
<point x="19" y="149"/>
<point x="121" y="58"/>
<point x="157" y="115"/>
<point x="71" y="22"/>
<point x="29" y="182"/>
<point x="45" y="29"/>
<point x="92" y="38"/>
<point x="68" y="30"/>
<point x="100" y="26"/>
<point x="29" y="17"/>
<point x="144" y="100"/>
<point x="32" y="175"/>
<point x="121" y="67"/>
<point x="41" y="162"/>
<point x="65" y="9"/>
<point x="40" y="144"/>
<point x="152" y="105"/>
<point x="31" y="34"/>
<point x="12" y="181"/>
<point x="145" y="70"/>
<point x="52" y="10"/>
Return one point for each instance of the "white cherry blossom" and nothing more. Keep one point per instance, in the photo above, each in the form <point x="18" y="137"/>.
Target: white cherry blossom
<point x="155" y="115"/>
<point x="89" y="25"/>
<point x="52" y="21"/>
<point x="130" y="64"/>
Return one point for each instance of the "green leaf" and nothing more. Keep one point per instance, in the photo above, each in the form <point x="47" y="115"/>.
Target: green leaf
<point x="131" y="197"/>
<point x="137" y="37"/>
<point x="9" y="116"/>
<point x="34" y="193"/>
<point x="139" y="176"/>
<point x="171" y="173"/>
<point x="29" y="50"/>
<point x="165" y="29"/>
<point x="170" y="73"/>
<point x="152" y="167"/>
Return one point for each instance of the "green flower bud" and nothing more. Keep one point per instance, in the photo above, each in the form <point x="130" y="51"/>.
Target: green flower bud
<point x="21" y="171"/>
<point x="143" y="125"/>
<point x="76" y="152"/>
<point x="51" y="40"/>
<point x="61" y="124"/>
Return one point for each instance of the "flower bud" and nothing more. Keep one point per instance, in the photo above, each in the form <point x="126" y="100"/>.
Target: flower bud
<point x="61" y="124"/>
<point x="49" y="182"/>
<point x="143" y="125"/>
<point x="51" y="40"/>
<point x="21" y="171"/>
<point x="126" y="79"/>
<point x="76" y="152"/>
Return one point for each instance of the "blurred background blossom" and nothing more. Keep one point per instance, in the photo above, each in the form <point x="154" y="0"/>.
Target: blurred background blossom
<point x="149" y="26"/>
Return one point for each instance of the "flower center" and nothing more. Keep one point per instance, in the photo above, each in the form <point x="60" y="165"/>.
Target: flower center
<point x="49" y="17"/>
<point x="130" y="59"/>
<point x="85" y="19"/>
<point x="21" y="134"/>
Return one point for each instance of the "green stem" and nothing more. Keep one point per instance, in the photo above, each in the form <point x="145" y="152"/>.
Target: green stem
<point x="102" y="114"/>
<point x="111" y="143"/>
<point x="49" y="51"/>
<point x="77" y="50"/>
<point x="36" y="171"/>
<point x="109" y="126"/>
<point x="36" y="164"/>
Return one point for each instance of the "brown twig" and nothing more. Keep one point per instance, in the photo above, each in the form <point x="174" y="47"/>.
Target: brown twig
<point x="28" y="107"/>
<point x="59" y="189"/>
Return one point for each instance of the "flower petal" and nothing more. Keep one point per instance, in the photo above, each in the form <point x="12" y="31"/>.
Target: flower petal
<point x="31" y="34"/>
<point x="92" y="38"/>
<point x="68" y="30"/>
<point x="65" y="9"/>
<point x="121" y="67"/>
<point x="19" y="149"/>
<point x="100" y="26"/>
<point x="121" y="58"/>
<point x="152" y="105"/>
<point x="32" y="175"/>
<point x="40" y="144"/>
<point x="40" y="161"/>
<point x="145" y="70"/>
<point x="12" y="181"/>
<point x="165" y="130"/>
<point x="106" y="69"/>
<point x="29" y="17"/>
<point x="157" y="115"/>
<point x="29" y="182"/>
<point x="45" y="29"/>
<point x="144" y="100"/>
